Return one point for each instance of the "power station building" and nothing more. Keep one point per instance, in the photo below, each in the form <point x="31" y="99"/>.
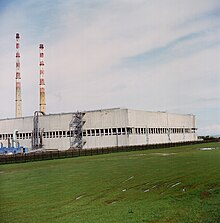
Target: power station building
<point x="95" y="129"/>
<point x="90" y="129"/>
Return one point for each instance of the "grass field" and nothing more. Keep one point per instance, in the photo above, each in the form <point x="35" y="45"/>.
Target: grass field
<point x="179" y="184"/>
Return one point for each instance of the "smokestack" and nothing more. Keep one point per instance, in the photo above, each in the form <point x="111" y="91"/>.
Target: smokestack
<point x="18" y="105"/>
<point x="42" y="84"/>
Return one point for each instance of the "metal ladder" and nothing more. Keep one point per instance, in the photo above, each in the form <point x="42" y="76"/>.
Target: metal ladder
<point x="76" y="130"/>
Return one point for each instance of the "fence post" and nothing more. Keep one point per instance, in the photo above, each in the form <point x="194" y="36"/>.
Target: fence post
<point x="21" y="158"/>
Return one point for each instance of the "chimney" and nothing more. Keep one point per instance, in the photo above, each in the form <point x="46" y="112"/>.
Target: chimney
<point x="18" y="104"/>
<point x="42" y="84"/>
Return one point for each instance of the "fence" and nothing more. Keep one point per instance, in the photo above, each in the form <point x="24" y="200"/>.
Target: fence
<point x="49" y="155"/>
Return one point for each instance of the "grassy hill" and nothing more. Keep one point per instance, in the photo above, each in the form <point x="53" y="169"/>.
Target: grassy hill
<point x="179" y="184"/>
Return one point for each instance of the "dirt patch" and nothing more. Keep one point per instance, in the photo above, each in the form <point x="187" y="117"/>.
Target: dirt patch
<point x="176" y="184"/>
<point x="205" y="195"/>
<point x="140" y="154"/>
<point x="207" y="149"/>
<point x="163" y="154"/>
<point x="77" y="198"/>
<point x="157" y="154"/>
<point x="130" y="178"/>
<point x="111" y="201"/>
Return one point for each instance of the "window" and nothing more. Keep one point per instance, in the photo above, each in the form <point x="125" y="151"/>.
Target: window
<point x="97" y="132"/>
<point x="88" y="132"/>
<point x="119" y="131"/>
<point x="114" y="131"/>
<point x="102" y="132"/>
<point x="193" y="130"/>
<point x="84" y="132"/>
<point x="123" y="131"/>
<point x="110" y="131"/>
<point x="93" y="132"/>
<point x="129" y="131"/>
<point x="106" y="132"/>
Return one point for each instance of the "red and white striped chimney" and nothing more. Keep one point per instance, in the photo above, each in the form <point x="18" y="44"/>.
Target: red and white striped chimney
<point x="42" y="84"/>
<point x="18" y="101"/>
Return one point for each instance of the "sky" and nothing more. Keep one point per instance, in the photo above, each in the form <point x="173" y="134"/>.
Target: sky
<point x="153" y="55"/>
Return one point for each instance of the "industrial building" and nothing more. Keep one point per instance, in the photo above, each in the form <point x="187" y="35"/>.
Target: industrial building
<point x="96" y="129"/>
<point x="90" y="129"/>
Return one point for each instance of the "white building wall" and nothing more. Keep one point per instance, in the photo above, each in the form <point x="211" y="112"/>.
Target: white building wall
<point x="111" y="118"/>
<point x="106" y="141"/>
<point x="104" y="119"/>
<point x="144" y="119"/>
<point x="8" y="126"/>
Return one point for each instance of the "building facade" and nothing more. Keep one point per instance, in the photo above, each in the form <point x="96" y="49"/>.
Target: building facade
<point x="100" y="128"/>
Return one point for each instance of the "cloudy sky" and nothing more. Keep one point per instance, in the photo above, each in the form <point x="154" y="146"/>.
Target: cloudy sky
<point x="156" y="55"/>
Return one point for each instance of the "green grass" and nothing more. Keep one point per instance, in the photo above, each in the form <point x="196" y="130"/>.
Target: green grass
<point x="179" y="184"/>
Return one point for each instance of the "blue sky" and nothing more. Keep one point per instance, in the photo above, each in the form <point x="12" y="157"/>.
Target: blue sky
<point x="152" y="55"/>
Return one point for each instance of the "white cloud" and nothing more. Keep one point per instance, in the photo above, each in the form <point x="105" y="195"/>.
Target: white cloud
<point x="213" y="129"/>
<point x="86" y="44"/>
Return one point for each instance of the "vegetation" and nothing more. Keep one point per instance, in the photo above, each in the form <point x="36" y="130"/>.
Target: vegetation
<point x="179" y="184"/>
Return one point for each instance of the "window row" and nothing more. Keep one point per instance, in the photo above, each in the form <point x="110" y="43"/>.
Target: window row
<point x="53" y="134"/>
<point x="102" y="132"/>
<point x="128" y="131"/>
